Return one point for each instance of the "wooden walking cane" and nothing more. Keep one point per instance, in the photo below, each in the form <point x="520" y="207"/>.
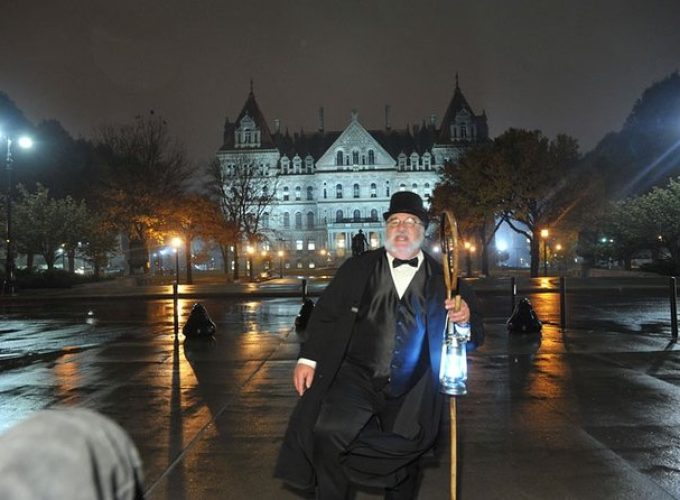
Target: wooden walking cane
<point x="448" y="235"/>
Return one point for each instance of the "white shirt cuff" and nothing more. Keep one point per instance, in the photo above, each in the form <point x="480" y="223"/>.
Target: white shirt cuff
<point x="307" y="362"/>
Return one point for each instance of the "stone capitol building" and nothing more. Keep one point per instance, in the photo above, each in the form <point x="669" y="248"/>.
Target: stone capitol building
<point x="331" y="184"/>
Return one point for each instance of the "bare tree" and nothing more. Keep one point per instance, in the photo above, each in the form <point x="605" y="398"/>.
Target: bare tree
<point x="244" y="191"/>
<point x="144" y="167"/>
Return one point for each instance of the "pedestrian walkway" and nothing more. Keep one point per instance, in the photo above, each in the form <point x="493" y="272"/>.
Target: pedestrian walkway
<point x="575" y="414"/>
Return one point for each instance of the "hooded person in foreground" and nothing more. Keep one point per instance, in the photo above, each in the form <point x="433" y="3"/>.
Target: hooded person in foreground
<point x="368" y="375"/>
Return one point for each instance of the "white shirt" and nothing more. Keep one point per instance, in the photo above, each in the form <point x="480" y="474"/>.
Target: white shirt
<point x="401" y="277"/>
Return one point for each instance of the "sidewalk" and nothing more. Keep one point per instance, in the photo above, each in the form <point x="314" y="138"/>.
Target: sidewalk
<point x="581" y="414"/>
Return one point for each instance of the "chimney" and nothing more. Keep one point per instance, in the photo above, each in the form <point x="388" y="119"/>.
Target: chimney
<point x="433" y="120"/>
<point x="321" y="126"/>
<point x="387" y="117"/>
<point x="277" y="126"/>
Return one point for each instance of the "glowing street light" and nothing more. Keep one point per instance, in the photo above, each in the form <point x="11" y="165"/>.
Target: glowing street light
<point x="24" y="143"/>
<point x="544" y="235"/>
<point x="176" y="243"/>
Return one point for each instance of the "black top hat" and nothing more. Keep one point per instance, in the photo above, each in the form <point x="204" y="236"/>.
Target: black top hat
<point x="408" y="203"/>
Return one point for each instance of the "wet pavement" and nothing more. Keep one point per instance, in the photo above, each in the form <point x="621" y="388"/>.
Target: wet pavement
<point x="588" y="412"/>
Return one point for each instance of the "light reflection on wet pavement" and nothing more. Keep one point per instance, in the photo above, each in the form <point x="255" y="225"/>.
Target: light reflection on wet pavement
<point x="590" y="412"/>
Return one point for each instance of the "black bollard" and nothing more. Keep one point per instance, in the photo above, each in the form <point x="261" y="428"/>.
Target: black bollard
<point x="175" y="307"/>
<point x="304" y="290"/>
<point x="563" y="302"/>
<point x="674" y="307"/>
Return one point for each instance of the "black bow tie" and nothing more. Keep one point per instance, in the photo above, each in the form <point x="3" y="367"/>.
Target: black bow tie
<point x="411" y="262"/>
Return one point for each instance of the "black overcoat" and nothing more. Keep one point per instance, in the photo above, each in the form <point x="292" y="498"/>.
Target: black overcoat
<point x="377" y="460"/>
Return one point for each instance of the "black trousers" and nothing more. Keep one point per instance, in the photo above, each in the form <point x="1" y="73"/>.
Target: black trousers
<point x="350" y="404"/>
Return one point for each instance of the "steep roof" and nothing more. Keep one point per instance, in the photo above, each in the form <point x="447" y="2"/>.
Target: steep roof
<point x="458" y="103"/>
<point x="251" y="109"/>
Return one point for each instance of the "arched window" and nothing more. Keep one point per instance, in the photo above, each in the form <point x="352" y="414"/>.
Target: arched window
<point x="414" y="187"/>
<point x="310" y="193"/>
<point x="286" y="220"/>
<point x="265" y="220"/>
<point x="426" y="189"/>
<point x="338" y="216"/>
<point x="371" y="157"/>
<point x="286" y="195"/>
<point x="338" y="191"/>
<point x="402" y="187"/>
<point x="355" y="157"/>
<point x="374" y="190"/>
<point x="357" y="216"/>
<point x="297" y="193"/>
<point x="356" y="190"/>
<point x="374" y="215"/>
<point x="310" y="220"/>
<point x="339" y="160"/>
<point x="298" y="220"/>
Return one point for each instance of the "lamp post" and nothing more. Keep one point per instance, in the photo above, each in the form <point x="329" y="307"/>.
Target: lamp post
<point x="280" y="263"/>
<point x="250" y="251"/>
<point x="176" y="244"/>
<point x="25" y="143"/>
<point x="544" y="236"/>
<point x="469" y="250"/>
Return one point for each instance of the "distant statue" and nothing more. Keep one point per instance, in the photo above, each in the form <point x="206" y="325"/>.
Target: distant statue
<point x="359" y="243"/>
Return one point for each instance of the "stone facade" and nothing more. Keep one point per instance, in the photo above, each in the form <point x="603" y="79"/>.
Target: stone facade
<point x="329" y="185"/>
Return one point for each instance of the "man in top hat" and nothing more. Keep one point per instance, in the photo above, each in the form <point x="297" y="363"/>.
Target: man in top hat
<point x="368" y="375"/>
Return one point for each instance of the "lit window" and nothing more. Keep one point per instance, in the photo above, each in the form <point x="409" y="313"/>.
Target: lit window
<point x="299" y="244"/>
<point x="311" y="245"/>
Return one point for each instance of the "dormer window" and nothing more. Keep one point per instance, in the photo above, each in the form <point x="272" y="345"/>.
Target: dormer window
<point x="401" y="161"/>
<point x="427" y="161"/>
<point x="297" y="164"/>
<point x="414" y="161"/>
<point x="309" y="164"/>
<point x="247" y="135"/>
<point x="339" y="160"/>
<point x="285" y="165"/>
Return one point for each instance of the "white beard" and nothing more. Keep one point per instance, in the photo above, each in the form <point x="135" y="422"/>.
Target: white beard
<point x="412" y="248"/>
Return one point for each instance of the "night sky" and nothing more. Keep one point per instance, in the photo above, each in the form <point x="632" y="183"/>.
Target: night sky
<point x="574" y="67"/>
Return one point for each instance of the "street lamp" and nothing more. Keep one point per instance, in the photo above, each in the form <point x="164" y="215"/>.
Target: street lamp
<point x="280" y="263"/>
<point x="176" y="243"/>
<point x="544" y="235"/>
<point x="24" y="143"/>
<point x="250" y="251"/>
<point x="468" y="260"/>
